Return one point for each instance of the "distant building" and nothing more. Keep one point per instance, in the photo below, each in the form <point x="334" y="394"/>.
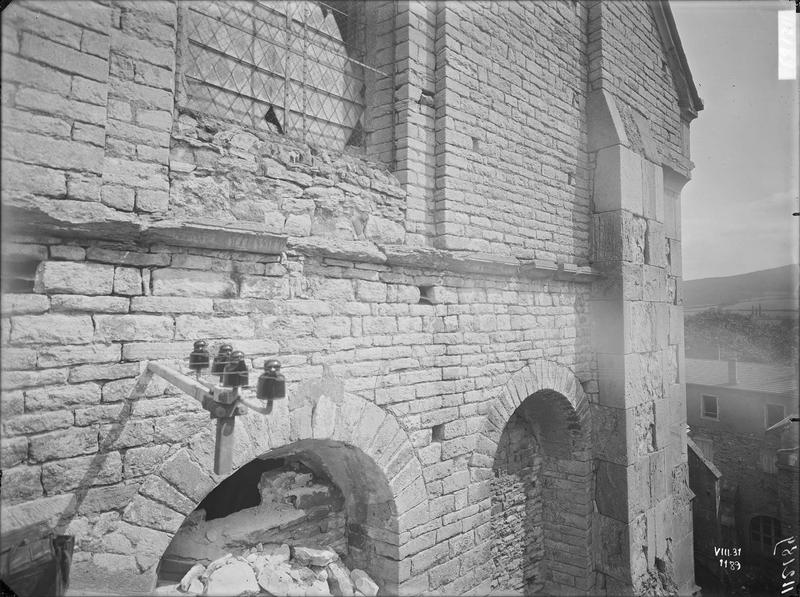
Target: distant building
<point x="704" y="481"/>
<point x="730" y="407"/>
<point x="788" y="463"/>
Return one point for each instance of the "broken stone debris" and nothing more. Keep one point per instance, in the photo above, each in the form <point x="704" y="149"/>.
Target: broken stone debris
<point x="295" y="509"/>
<point x="275" y="570"/>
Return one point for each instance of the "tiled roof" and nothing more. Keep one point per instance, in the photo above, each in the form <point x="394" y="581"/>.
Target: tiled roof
<point x="756" y="377"/>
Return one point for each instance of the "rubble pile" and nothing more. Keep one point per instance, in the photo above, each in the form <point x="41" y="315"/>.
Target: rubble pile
<point x="275" y="570"/>
<point x="296" y="508"/>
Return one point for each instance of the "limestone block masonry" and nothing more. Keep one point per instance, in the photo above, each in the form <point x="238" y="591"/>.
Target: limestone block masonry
<point x="477" y="306"/>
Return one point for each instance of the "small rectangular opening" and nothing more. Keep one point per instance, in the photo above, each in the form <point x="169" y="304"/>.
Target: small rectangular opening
<point x="437" y="433"/>
<point x="709" y="407"/>
<point x="425" y="295"/>
<point x="18" y="275"/>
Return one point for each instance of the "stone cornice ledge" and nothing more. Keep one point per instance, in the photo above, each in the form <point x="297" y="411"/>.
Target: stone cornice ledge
<point x="77" y="220"/>
<point x="469" y="262"/>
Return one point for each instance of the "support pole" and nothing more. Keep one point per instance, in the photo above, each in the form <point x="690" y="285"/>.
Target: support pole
<point x="224" y="404"/>
<point x="223" y="446"/>
<point x="195" y="388"/>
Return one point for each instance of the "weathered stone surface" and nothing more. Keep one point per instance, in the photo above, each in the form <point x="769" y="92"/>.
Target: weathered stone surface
<point x="64" y="475"/>
<point x="363" y="583"/>
<point x="54" y="277"/>
<point x="187" y="476"/>
<point x="192" y="283"/>
<point x="339" y="580"/>
<point x="13" y="451"/>
<point x="18" y="358"/>
<point x="144" y="351"/>
<point x="103" y="499"/>
<point x="190" y="327"/>
<point x="36" y="423"/>
<point x="155" y="487"/>
<point x="275" y="580"/>
<point x="59" y="356"/>
<point x="144" y="460"/>
<point x="384" y="232"/>
<point x="67" y="252"/>
<point x="105" y="413"/>
<point x="146" y="512"/>
<point x="92" y="304"/>
<point x="338" y="249"/>
<point x="314" y="557"/>
<point x="370" y="291"/>
<point x="277" y="553"/>
<point x="52" y="329"/>
<point x="63" y="444"/>
<point x="103" y="372"/>
<point x="126" y="434"/>
<point x="166" y="304"/>
<point x="134" y="327"/>
<point x="131" y="258"/>
<point x="22" y="304"/>
<point x="618" y="180"/>
<point x="191" y="576"/>
<point x="62" y="396"/>
<point x="21" y="483"/>
<point x="234" y="578"/>
<point x="656" y="244"/>
<point x="48" y="509"/>
<point x="127" y="281"/>
<point x="264" y="287"/>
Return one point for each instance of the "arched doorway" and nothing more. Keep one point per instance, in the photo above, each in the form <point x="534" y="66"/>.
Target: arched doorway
<point x="541" y="485"/>
<point x="353" y="443"/>
<point x="311" y="493"/>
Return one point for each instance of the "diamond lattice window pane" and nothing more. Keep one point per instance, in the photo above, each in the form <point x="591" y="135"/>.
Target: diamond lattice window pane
<point x="246" y="57"/>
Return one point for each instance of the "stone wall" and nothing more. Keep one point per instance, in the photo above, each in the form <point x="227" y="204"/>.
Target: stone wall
<point x="75" y="347"/>
<point x="636" y="71"/>
<point x="413" y="312"/>
<point x="513" y="175"/>
<point x="745" y="486"/>
<point x="220" y="173"/>
<point x="55" y="97"/>
<point x="517" y="510"/>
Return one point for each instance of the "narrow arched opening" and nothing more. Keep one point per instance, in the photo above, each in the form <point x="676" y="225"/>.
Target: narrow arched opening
<point x="320" y="494"/>
<point x="541" y="500"/>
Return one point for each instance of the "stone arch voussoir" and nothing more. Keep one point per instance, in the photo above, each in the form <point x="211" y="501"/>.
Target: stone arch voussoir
<point x="539" y="376"/>
<point x="553" y="549"/>
<point x="175" y="489"/>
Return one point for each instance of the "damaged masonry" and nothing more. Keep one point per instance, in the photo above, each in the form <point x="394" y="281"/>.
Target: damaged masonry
<point x="454" y="225"/>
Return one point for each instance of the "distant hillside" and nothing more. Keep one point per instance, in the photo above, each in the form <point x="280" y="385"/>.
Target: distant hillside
<point x="774" y="289"/>
<point x="726" y="335"/>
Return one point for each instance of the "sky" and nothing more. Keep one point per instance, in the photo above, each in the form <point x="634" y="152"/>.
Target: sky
<point x="737" y="209"/>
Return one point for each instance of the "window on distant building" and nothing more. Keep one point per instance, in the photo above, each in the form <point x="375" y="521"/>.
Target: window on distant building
<point x="709" y="407"/>
<point x="765" y="532"/>
<point x="768" y="461"/>
<point x="773" y="413"/>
